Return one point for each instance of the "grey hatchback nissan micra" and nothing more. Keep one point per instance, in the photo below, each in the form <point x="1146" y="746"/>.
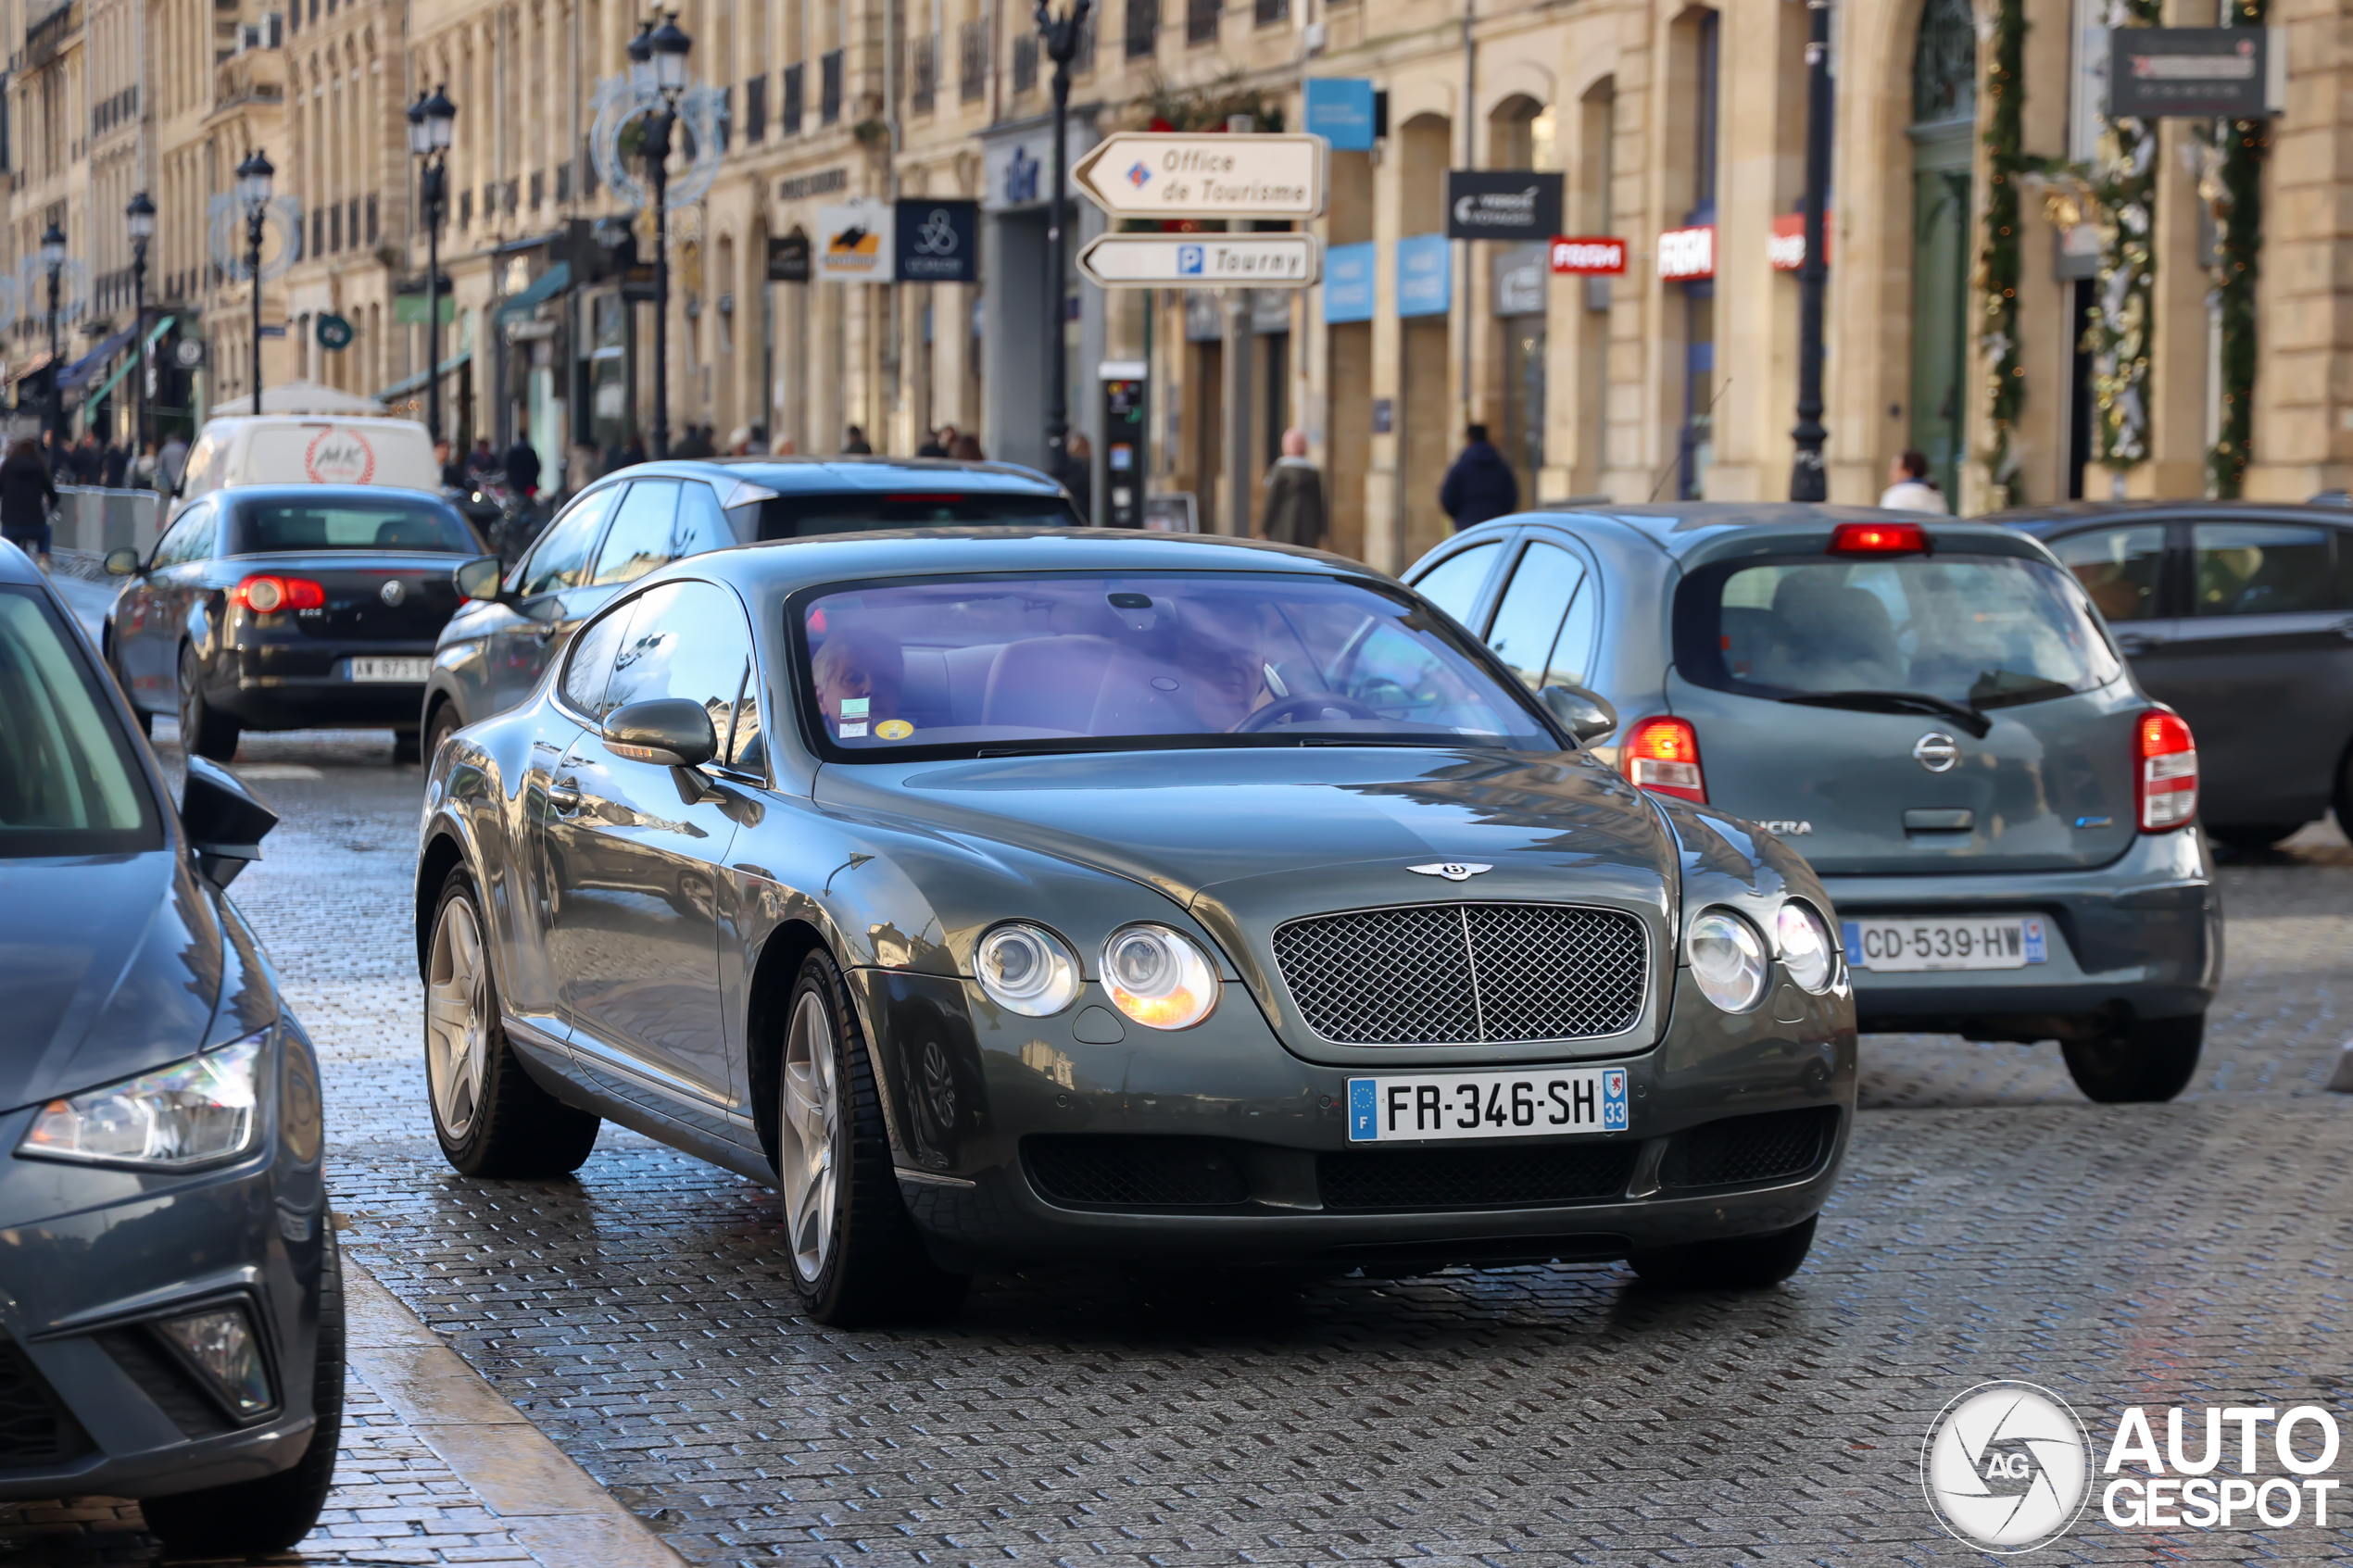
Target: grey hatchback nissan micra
<point x="1932" y="713"/>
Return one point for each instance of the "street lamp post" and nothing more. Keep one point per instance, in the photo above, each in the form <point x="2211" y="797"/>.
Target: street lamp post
<point x="1808" y="479"/>
<point x="139" y="221"/>
<point x="53" y="259"/>
<point x="1061" y="35"/>
<point x="431" y="125"/>
<point x="659" y="55"/>
<point x="253" y="195"/>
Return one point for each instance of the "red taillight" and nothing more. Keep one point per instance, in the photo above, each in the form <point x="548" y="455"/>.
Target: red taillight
<point x="266" y="594"/>
<point x="1663" y="755"/>
<point x="1879" y="539"/>
<point x="2164" y="771"/>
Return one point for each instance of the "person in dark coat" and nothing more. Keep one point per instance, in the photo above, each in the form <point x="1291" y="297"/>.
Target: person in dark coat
<point x="86" y="464"/>
<point x="696" y="442"/>
<point x="1480" y="484"/>
<point x="523" y="468"/>
<point x="857" y="445"/>
<point x="1294" y="513"/>
<point x="26" y="496"/>
<point x="936" y="443"/>
<point x="118" y="464"/>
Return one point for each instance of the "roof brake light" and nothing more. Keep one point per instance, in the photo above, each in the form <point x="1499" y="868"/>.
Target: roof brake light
<point x="1879" y="539"/>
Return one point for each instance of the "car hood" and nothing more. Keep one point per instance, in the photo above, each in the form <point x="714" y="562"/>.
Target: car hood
<point x="109" y="966"/>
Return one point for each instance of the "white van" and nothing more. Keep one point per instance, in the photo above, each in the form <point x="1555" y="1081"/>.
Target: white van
<point x="291" y="450"/>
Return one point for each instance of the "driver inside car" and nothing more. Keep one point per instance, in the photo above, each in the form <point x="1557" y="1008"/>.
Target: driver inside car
<point x="857" y="675"/>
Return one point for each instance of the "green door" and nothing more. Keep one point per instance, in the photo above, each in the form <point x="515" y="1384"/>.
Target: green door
<point x="1940" y="307"/>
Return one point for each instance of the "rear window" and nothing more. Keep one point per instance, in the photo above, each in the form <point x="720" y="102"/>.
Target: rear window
<point x="264" y="527"/>
<point x="69" y="784"/>
<point x="799" y="516"/>
<point x="1981" y="631"/>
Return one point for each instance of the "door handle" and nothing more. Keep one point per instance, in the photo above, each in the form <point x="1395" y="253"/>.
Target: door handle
<point x="563" y="795"/>
<point x="2344" y="627"/>
<point x="2140" y="642"/>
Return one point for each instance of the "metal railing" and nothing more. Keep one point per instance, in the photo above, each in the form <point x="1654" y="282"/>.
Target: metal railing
<point x="96" y="519"/>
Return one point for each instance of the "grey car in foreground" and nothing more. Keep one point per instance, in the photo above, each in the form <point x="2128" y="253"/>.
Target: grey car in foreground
<point x="170" y="1305"/>
<point x="1933" y="713"/>
<point x="1063" y="895"/>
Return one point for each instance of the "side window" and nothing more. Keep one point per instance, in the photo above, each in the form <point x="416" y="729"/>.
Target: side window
<point x="561" y="558"/>
<point x="639" y="539"/>
<point x="687" y="640"/>
<point x="1535" y="608"/>
<point x="701" y="526"/>
<point x="2263" y="568"/>
<point x="2120" y="568"/>
<point x="187" y="539"/>
<point x="1454" y="584"/>
<point x="588" y="666"/>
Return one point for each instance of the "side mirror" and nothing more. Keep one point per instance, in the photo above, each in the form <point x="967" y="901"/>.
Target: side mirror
<point x="672" y="732"/>
<point x="225" y="821"/>
<point x="1587" y="715"/>
<point x="476" y="579"/>
<point x="122" y="563"/>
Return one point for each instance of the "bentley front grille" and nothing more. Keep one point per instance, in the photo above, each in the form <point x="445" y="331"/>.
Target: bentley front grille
<point x="1465" y="973"/>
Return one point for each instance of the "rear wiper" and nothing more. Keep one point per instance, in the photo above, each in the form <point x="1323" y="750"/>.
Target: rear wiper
<point x="1968" y="717"/>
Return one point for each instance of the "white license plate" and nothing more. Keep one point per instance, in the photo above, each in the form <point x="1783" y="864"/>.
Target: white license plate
<point x="1545" y="1101"/>
<point x="1895" y="946"/>
<point x="414" y="670"/>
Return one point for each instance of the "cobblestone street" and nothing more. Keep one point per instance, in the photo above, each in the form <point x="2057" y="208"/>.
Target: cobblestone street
<point x="1991" y="1223"/>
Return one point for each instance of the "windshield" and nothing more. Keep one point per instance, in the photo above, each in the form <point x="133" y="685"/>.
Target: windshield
<point x="262" y="528"/>
<point x="798" y="517"/>
<point x="1072" y="662"/>
<point x="69" y="785"/>
<point x="1978" y="631"/>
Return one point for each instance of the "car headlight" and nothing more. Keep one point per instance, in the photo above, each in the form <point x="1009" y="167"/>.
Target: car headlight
<point x="1728" y="959"/>
<point x="192" y="1112"/>
<point x="1028" y="970"/>
<point x="1159" y="977"/>
<point x="1805" y="944"/>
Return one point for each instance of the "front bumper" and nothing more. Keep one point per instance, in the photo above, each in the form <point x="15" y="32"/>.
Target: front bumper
<point x="92" y="1401"/>
<point x="300" y="684"/>
<point x="2141" y="937"/>
<point x="973" y="1095"/>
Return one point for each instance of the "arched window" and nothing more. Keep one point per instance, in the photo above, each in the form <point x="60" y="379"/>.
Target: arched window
<point x="1945" y="64"/>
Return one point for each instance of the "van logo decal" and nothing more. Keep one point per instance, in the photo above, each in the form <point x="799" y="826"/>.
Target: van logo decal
<point x="1936" y="751"/>
<point x="336" y="455"/>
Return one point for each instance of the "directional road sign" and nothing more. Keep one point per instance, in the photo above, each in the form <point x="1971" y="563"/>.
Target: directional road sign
<point x="1202" y="261"/>
<point x="1174" y="174"/>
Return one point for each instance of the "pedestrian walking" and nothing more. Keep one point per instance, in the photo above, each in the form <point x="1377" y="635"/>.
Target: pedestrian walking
<point x="856" y="444"/>
<point x="171" y="461"/>
<point x="1078" y="475"/>
<point x="523" y="468"/>
<point x="116" y="465"/>
<point x="1480" y="484"/>
<point x="1908" y="488"/>
<point x="27" y="494"/>
<point x="966" y="449"/>
<point x="146" y="467"/>
<point x="1294" y="510"/>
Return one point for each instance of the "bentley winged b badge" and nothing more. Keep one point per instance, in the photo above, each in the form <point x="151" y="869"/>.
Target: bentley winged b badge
<point x="1453" y="871"/>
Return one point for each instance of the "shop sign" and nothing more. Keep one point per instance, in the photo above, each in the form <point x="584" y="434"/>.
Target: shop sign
<point x="854" y="242"/>
<point x="1348" y="283"/>
<point x="788" y="258"/>
<point x="1588" y="256"/>
<point x="1520" y="280"/>
<point x="939" y="241"/>
<point x="2197" y="72"/>
<point x="1687" y="255"/>
<point x="1502" y="204"/>
<point x="1425" y="275"/>
<point x="1787" y="247"/>
<point x="1339" y="110"/>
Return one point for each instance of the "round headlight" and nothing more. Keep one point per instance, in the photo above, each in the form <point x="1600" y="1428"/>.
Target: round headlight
<point x="1026" y="969"/>
<point x="1159" y="977"/>
<point x="1805" y="942"/>
<point x="1728" y="959"/>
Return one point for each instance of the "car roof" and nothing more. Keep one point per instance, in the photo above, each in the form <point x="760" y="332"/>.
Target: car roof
<point x="1680" y="527"/>
<point x="2036" y="520"/>
<point x="364" y="495"/>
<point x="784" y="565"/>
<point x="788" y="475"/>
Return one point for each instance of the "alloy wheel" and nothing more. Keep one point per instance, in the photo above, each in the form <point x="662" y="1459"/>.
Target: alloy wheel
<point x="457" y="1020"/>
<point x="812" y="1112"/>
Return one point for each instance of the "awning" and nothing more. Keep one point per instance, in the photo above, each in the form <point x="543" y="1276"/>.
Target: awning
<point x="37" y="362"/>
<point x="161" y="328"/>
<point x="108" y="385"/>
<point x="549" y="284"/>
<point x="410" y="383"/>
<point x="90" y="364"/>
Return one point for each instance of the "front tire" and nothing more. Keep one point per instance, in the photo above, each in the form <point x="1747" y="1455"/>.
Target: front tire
<point x="2250" y="837"/>
<point x="2146" y="1061"/>
<point x="255" y="1518"/>
<point x="1748" y="1262"/>
<point x="857" y="1259"/>
<point x="444" y="724"/>
<point x="403" y="749"/>
<point x="204" y="731"/>
<point x="491" y="1117"/>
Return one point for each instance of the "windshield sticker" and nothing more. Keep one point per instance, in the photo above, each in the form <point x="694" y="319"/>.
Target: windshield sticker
<point x="853" y="731"/>
<point x="893" y="729"/>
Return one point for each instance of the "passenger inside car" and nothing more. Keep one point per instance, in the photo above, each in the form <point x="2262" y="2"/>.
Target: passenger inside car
<point x="858" y="673"/>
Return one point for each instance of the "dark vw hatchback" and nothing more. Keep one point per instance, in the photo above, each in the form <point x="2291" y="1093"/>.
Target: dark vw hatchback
<point x="288" y="608"/>
<point x="170" y="1305"/>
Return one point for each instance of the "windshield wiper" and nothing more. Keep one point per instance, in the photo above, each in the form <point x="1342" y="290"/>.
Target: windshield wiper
<point x="1990" y="692"/>
<point x="1968" y="717"/>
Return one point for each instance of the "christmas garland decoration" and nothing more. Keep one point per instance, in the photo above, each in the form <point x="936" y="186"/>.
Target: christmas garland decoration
<point x="2124" y="185"/>
<point x="1998" y="261"/>
<point x="2238" y="216"/>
